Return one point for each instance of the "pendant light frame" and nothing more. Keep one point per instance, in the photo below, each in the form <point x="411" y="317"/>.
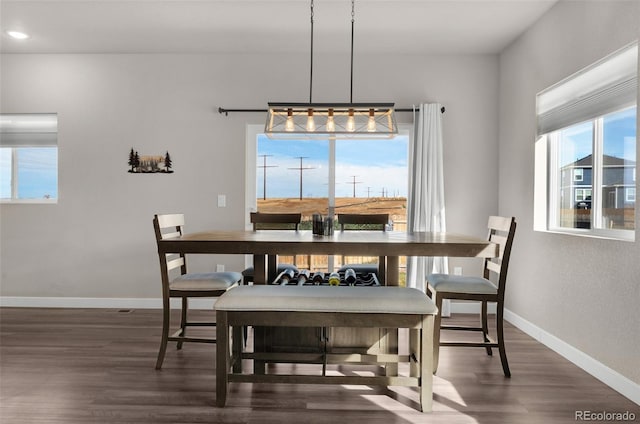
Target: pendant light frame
<point x="331" y="120"/>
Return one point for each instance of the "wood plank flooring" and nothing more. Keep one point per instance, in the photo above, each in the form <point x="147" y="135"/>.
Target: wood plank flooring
<point x="97" y="366"/>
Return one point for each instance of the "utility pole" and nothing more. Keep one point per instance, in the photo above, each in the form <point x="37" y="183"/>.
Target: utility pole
<point x="264" y="174"/>
<point x="354" y="182"/>
<point x="301" y="169"/>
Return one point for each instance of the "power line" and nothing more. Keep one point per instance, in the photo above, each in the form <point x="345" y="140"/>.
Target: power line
<point x="264" y="174"/>
<point x="301" y="169"/>
<point x="354" y="182"/>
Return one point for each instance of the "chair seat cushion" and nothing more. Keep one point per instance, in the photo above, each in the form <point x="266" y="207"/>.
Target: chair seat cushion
<point x="206" y="281"/>
<point x="360" y="268"/>
<point x="461" y="284"/>
<point x="281" y="267"/>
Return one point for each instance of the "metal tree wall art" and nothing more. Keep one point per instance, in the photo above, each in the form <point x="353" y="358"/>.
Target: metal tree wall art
<point x="149" y="164"/>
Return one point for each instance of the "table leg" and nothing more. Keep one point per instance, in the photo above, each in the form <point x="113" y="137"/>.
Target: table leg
<point x="414" y="352"/>
<point x="259" y="269"/>
<point x="236" y="344"/>
<point x="393" y="272"/>
<point x="222" y="358"/>
<point x="391" y="342"/>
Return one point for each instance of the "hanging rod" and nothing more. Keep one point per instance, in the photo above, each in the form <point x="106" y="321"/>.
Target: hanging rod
<point x="226" y="112"/>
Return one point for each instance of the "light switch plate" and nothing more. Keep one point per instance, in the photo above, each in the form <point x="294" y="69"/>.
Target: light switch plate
<point x="222" y="200"/>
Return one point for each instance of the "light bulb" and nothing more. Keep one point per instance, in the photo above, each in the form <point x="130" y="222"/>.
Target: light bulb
<point x="288" y="126"/>
<point x="331" y="125"/>
<point x="351" y="122"/>
<point x="371" y="124"/>
<point x="311" y="125"/>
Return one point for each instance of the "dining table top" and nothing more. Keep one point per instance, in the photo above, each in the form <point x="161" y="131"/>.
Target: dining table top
<point x="375" y="243"/>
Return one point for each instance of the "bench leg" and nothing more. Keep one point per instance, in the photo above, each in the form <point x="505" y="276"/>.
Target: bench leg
<point x="426" y="363"/>
<point x="222" y="358"/>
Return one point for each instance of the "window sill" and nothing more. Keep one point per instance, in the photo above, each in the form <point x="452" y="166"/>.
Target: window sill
<point x="28" y="201"/>
<point x="618" y="235"/>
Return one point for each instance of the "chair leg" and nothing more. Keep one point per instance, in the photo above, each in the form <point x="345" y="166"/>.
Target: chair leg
<point x="485" y="328"/>
<point x="500" y="331"/>
<point x="183" y="320"/>
<point x="165" y="332"/>
<point x="436" y="333"/>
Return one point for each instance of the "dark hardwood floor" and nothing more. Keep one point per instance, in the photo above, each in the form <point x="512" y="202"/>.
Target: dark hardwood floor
<point x="97" y="366"/>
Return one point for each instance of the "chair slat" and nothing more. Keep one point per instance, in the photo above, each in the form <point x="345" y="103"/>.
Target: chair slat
<point x="174" y="263"/>
<point x="499" y="223"/>
<point x="171" y="220"/>
<point x="173" y="235"/>
<point x="493" y="266"/>
<point x="501" y="241"/>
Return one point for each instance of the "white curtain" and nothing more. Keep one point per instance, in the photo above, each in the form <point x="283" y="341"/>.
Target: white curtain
<point x="425" y="210"/>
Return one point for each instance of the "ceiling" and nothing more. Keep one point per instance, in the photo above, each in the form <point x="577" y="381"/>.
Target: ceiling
<point x="267" y="26"/>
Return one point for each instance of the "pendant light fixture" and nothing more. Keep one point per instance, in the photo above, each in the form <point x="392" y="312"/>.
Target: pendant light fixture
<point x="332" y="120"/>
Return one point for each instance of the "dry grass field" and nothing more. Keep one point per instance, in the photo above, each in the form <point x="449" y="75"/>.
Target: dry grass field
<point x="396" y="207"/>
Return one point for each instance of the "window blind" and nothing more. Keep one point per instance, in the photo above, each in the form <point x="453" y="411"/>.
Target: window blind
<point x="28" y="130"/>
<point x="606" y="86"/>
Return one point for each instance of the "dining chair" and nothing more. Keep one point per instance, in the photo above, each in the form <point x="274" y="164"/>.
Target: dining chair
<point x="488" y="288"/>
<point x="371" y="222"/>
<point x="178" y="283"/>
<point x="273" y="221"/>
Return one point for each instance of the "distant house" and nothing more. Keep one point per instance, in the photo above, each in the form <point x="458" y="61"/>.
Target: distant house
<point x="618" y="185"/>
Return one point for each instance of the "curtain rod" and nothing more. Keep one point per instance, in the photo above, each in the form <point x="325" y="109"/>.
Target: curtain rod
<point x="226" y="112"/>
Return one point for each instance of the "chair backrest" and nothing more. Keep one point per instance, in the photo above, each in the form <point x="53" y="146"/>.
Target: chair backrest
<point x="275" y="221"/>
<point x="376" y="221"/>
<point x="166" y="227"/>
<point x="501" y="232"/>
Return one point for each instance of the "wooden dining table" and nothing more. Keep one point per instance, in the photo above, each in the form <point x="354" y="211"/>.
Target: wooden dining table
<point x="391" y="245"/>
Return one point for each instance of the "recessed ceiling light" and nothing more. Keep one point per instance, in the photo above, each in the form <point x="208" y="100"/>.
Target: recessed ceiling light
<point x="18" y="35"/>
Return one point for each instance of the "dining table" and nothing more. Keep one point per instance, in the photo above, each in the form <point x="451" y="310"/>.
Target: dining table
<point x="264" y="245"/>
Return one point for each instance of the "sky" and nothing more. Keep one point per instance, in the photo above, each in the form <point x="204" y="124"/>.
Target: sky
<point x="619" y="138"/>
<point x="37" y="172"/>
<point x="375" y="165"/>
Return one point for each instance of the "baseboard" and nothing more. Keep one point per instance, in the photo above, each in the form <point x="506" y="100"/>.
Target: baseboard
<point x="608" y="376"/>
<point x="98" y="302"/>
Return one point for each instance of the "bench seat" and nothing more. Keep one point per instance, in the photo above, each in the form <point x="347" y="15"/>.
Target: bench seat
<point x="323" y="306"/>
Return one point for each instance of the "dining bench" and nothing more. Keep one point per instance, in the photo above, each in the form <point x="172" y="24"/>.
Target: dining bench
<point x="325" y="306"/>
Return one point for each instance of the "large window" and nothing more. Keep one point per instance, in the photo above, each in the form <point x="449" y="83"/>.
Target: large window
<point x="586" y="150"/>
<point x="28" y="158"/>
<point x="332" y="177"/>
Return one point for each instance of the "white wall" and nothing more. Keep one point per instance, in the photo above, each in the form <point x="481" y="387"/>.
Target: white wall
<point x="584" y="291"/>
<point x="97" y="242"/>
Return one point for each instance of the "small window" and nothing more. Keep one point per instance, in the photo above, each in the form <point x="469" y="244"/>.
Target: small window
<point x="28" y="158"/>
<point x="583" y="194"/>
<point x="578" y="174"/>
<point x="630" y="194"/>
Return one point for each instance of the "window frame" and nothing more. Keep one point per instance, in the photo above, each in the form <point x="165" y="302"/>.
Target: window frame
<point x="30" y="125"/>
<point x="547" y="198"/>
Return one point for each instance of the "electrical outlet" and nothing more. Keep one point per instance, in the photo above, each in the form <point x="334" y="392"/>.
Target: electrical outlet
<point x="457" y="270"/>
<point x="222" y="200"/>
<point x="220" y="268"/>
